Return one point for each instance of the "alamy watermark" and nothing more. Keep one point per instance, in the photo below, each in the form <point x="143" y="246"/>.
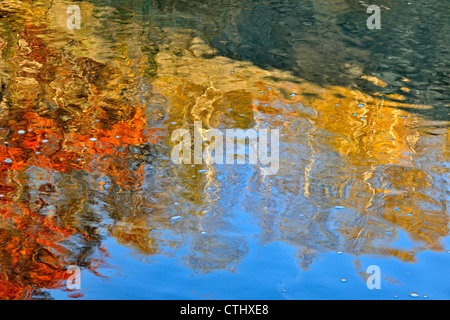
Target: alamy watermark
<point x="74" y="20"/>
<point x="263" y="146"/>
<point x="374" y="280"/>
<point x="74" y="281"/>
<point x="374" y="21"/>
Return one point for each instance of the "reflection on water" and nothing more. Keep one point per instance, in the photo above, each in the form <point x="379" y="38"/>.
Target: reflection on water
<point x="86" y="117"/>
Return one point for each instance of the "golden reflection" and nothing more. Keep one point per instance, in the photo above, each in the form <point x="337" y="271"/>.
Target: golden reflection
<point x="378" y="142"/>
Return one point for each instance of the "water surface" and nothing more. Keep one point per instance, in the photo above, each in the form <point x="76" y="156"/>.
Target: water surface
<point x="87" y="179"/>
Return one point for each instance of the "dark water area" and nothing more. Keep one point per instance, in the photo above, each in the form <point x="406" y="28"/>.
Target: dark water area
<point x="88" y="179"/>
<point x="323" y="42"/>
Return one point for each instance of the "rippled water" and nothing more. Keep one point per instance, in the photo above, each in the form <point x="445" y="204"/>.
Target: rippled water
<point x="87" y="177"/>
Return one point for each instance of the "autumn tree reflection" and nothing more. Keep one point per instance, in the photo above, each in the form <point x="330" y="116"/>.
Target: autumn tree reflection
<point x="65" y="140"/>
<point x="85" y="125"/>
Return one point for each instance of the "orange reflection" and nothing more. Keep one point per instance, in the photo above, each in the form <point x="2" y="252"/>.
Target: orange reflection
<point x="57" y="116"/>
